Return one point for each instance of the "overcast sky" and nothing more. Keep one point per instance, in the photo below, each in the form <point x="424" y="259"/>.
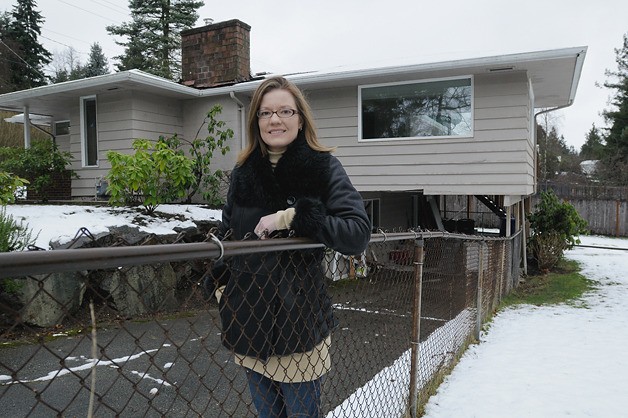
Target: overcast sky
<point x="324" y="35"/>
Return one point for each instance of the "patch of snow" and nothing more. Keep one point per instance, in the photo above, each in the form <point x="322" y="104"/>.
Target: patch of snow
<point x="62" y="222"/>
<point x="550" y="361"/>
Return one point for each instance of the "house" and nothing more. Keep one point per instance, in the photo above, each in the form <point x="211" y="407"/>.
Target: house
<point x="410" y="137"/>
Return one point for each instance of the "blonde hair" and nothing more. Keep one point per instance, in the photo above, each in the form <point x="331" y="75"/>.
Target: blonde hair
<point x="305" y="113"/>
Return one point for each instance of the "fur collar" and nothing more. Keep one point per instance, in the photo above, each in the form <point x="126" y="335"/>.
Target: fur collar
<point x="301" y="172"/>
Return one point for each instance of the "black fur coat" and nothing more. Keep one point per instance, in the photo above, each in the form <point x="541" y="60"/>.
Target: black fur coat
<point x="277" y="303"/>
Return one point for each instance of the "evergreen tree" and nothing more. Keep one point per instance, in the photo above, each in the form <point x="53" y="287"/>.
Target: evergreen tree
<point x="27" y="70"/>
<point x="615" y="161"/>
<point x="570" y="160"/>
<point x="551" y="149"/>
<point x="154" y="40"/>
<point x="67" y="66"/>
<point x="97" y="63"/>
<point x="6" y="56"/>
<point x="5" y="21"/>
<point x="593" y="147"/>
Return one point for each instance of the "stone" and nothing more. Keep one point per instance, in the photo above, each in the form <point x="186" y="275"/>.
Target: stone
<point x="47" y="299"/>
<point x="141" y="289"/>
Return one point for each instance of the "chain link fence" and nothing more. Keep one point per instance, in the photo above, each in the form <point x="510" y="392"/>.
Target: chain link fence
<point x="134" y="329"/>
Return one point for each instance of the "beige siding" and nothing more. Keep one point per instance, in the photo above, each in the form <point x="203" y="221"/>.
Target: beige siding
<point x="194" y="114"/>
<point x="121" y="118"/>
<point x="154" y="117"/>
<point x="498" y="159"/>
<point x="63" y="142"/>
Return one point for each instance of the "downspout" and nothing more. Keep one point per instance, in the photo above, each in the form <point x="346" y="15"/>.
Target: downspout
<point x="54" y="138"/>
<point x="523" y="210"/>
<point x="546" y="111"/>
<point x="524" y="237"/>
<point x="550" y="110"/>
<point x="241" y="117"/>
<point x="27" y="128"/>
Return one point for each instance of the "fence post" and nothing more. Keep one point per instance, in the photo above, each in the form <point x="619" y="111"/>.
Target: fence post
<point x="416" y="326"/>
<point x="617" y="218"/>
<point x="502" y="273"/>
<point x="478" y="303"/>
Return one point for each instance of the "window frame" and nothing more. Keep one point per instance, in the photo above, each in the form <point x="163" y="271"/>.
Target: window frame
<point x="84" y="131"/>
<point x="57" y="122"/>
<point x="418" y="81"/>
<point x="374" y="211"/>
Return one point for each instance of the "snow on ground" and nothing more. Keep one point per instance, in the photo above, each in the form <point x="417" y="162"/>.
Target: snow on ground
<point x="533" y="362"/>
<point x="386" y="394"/>
<point x="61" y="223"/>
<point x="553" y="361"/>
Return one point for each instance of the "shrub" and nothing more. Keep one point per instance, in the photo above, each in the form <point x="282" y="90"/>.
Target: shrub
<point x="155" y="174"/>
<point x="36" y="163"/>
<point x="202" y="152"/>
<point x="14" y="236"/>
<point x="555" y="228"/>
<point x="162" y="174"/>
<point x="10" y="185"/>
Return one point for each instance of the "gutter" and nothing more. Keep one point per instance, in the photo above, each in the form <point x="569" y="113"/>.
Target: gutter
<point x="133" y="78"/>
<point x="569" y="103"/>
<point x="572" y="95"/>
<point x="551" y="109"/>
<point x="576" y="73"/>
<point x="574" y="83"/>
<point x="303" y="79"/>
<point x="310" y="78"/>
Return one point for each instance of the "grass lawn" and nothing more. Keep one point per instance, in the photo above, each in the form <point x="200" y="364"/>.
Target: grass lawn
<point x="564" y="284"/>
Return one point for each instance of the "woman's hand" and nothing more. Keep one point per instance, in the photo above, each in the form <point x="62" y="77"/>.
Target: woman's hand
<point x="266" y="226"/>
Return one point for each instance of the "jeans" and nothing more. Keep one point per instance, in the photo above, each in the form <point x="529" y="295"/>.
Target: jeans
<point x="284" y="400"/>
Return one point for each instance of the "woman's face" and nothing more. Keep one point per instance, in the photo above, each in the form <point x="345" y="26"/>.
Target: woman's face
<point x="277" y="133"/>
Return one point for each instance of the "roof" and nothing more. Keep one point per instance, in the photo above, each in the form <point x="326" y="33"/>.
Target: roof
<point x="554" y="75"/>
<point x="45" y="100"/>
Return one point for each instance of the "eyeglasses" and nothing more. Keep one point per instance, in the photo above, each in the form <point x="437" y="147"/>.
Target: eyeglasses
<point x="282" y="113"/>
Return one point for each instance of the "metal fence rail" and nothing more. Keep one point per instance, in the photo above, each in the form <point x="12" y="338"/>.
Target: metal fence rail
<point x="132" y="330"/>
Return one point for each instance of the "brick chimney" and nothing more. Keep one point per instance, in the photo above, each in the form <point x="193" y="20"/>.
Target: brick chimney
<point x="216" y="54"/>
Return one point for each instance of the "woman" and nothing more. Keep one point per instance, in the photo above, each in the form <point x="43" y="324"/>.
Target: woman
<point x="275" y="311"/>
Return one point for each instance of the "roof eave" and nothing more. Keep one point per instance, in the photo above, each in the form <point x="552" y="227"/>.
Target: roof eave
<point x="135" y="76"/>
<point x="306" y="79"/>
<point x="316" y="78"/>
<point x="577" y="73"/>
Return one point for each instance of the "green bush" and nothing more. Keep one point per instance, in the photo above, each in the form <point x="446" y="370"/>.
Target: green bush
<point x="161" y="173"/>
<point x="36" y="163"/>
<point x="9" y="186"/>
<point x="155" y="174"/>
<point x="555" y="228"/>
<point x="14" y="236"/>
<point x="202" y="152"/>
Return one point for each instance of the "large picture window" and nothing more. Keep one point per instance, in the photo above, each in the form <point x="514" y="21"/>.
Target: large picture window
<point x="432" y="108"/>
<point x="89" y="131"/>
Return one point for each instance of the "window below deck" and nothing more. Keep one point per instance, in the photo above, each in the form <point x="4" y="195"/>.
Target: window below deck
<point x="417" y="109"/>
<point x="372" y="210"/>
